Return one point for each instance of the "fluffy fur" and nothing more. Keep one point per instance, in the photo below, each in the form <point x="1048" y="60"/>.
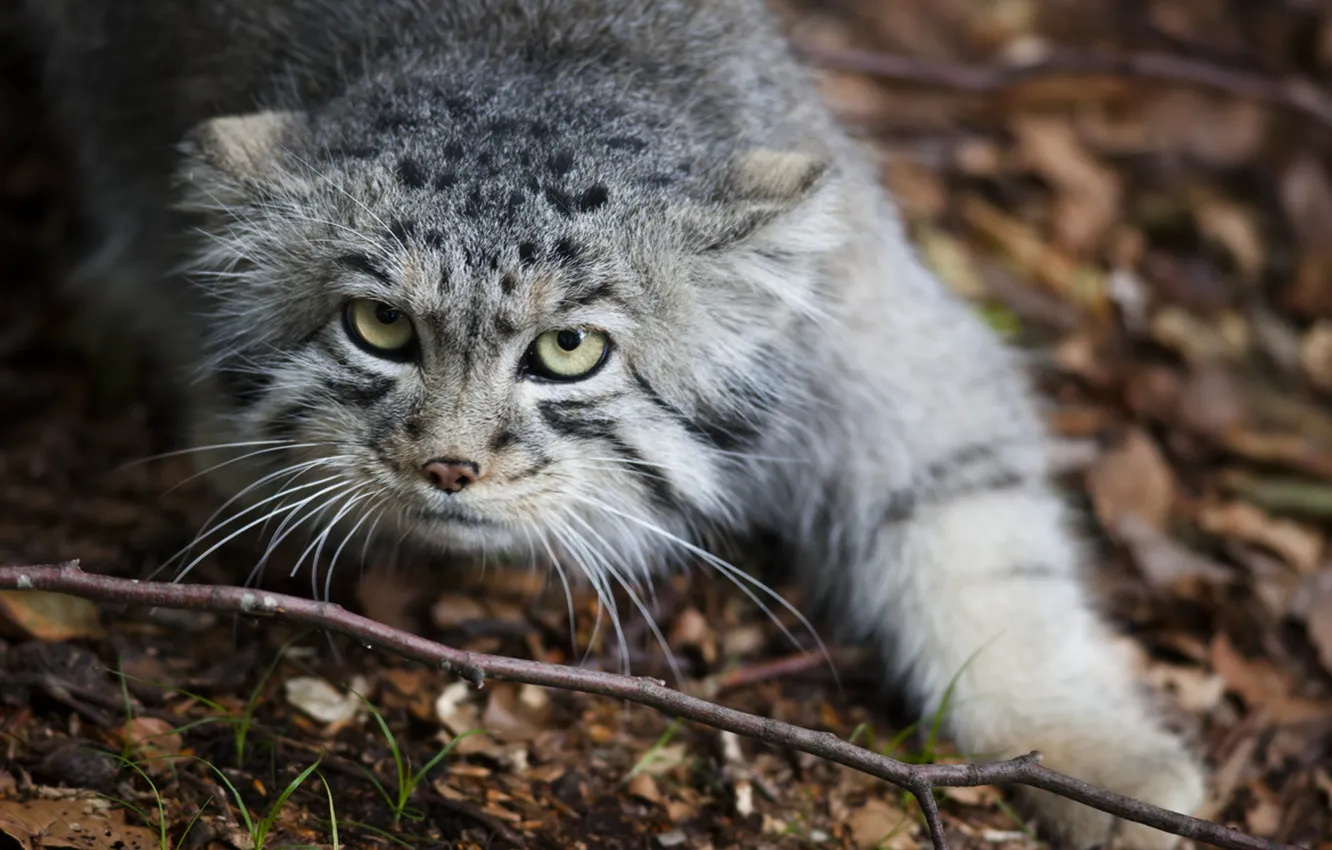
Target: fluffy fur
<point x="662" y="172"/>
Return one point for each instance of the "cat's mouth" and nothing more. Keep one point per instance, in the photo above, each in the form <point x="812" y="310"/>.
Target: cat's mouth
<point x="452" y="517"/>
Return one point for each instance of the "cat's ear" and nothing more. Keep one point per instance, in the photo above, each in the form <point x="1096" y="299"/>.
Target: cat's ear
<point x="774" y="178"/>
<point x="246" y="147"/>
<point x="233" y="157"/>
<point x="757" y="188"/>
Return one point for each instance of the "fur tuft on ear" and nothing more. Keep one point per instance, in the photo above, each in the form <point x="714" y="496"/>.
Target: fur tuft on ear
<point x="781" y="179"/>
<point x="757" y="188"/>
<point x="245" y="147"/>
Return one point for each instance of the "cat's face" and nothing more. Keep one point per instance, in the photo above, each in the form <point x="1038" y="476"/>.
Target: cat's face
<point x="558" y="357"/>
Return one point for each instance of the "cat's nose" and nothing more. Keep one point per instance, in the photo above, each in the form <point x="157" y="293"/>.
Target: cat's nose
<point x="451" y="476"/>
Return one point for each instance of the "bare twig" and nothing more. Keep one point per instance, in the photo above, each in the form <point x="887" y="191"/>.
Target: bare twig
<point x="477" y="667"/>
<point x="1296" y="94"/>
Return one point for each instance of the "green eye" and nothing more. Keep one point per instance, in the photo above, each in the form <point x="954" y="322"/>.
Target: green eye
<point x="567" y="355"/>
<point x="380" y="328"/>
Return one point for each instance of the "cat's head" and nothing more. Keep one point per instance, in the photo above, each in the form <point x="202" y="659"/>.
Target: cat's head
<point x="496" y="330"/>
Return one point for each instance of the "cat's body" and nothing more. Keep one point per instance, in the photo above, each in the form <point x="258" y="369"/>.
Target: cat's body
<point x="419" y="213"/>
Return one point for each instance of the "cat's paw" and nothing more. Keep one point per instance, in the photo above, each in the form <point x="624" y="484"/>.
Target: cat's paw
<point x="1153" y="767"/>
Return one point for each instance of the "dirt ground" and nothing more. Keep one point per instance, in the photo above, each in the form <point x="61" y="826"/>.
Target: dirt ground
<point x="1135" y="192"/>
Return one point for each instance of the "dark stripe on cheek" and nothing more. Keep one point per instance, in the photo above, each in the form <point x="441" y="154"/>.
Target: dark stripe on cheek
<point x="653" y="478"/>
<point x="567" y="418"/>
<point x="359" y="394"/>
<point x="727" y="432"/>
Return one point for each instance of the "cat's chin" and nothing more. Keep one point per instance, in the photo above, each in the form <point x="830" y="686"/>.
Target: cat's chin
<point x="465" y="535"/>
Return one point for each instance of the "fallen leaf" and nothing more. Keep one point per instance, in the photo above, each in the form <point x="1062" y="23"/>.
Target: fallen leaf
<point x="1234" y="227"/>
<point x="50" y="616"/>
<point x="75" y="823"/>
<point x="508" y="718"/>
<point x="1261" y="684"/>
<point x="1299" y="545"/>
<point x="325" y="703"/>
<point x="1088" y="193"/>
<point x="691" y="629"/>
<point x="1316" y="354"/>
<point x="152" y="740"/>
<point x="876" y="821"/>
<point x="1192" y="688"/>
<point x="1162" y="560"/>
<point x="1133" y="479"/>
<point x="644" y="787"/>
<point x="454" y="610"/>
<point x="1319" y="624"/>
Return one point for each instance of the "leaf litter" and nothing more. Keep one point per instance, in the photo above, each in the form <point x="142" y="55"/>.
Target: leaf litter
<point x="1160" y="242"/>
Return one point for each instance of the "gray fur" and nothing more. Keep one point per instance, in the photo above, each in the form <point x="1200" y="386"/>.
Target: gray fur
<point x="662" y="171"/>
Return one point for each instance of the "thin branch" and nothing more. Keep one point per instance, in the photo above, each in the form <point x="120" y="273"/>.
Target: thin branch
<point x="1293" y="93"/>
<point x="477" y="667"/>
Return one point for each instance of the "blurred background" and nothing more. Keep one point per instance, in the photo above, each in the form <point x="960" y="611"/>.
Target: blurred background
<point x="1134" y="191"/>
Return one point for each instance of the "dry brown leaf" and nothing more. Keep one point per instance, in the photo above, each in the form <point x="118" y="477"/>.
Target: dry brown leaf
<point x="1192" y="688"/>
<point x="876" y="821"/>
<point x="509" y="718"/>
<point x="1132" y="479"/>
<point x="691" y="629"/>
<point x="49" y="616"/>
<point x="1316" y="354"/>
<point x="1088" y="193"/>
<point x="1299" y="545"/>
<point x="1232" y="226"/>
<point x="1163" y="561"/>
<point x="1261" y="684"/>
<point x="644" y="787"/>
<point x="1220" y="339"/>
<point x="1306" y="197"/>
<point x="69" y="824"/>
<point x="1319" y="623"/>
<point x="1082" y="285"/>
<point x="454" y="610"/>
<point x="153" y="740"/>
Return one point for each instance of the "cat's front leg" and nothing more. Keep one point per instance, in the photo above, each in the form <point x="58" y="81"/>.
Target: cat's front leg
<point x="981" y="584"/>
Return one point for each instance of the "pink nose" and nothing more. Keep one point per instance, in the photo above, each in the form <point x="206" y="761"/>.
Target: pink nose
<point x="451" y="475"/>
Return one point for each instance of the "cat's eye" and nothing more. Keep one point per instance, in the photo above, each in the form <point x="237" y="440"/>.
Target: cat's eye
<point x="380" y="328"/>
<point x="567" y="355"/>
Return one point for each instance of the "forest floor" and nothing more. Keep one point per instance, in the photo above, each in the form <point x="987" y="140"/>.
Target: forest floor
<point x="1135" y="192"/>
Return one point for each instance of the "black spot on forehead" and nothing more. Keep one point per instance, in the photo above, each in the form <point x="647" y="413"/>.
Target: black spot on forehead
<point x="393" y="120"/>
<point x="626" y="143"/>
<point x="453" y="150"/>
<point x="446" y="180"/>
<point x="434" y="239"/>
<point x="561" y="162"/>
<point x="411" y="173"/>
<point x="505" y="126"/>
<point x="459" y="107"/>
<point x="594" y="197"/>
<point x="515" y="202"/>
<point x="508" y="283"/>
<point x="567" y="251"/>
<point x="528" y="253"/>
